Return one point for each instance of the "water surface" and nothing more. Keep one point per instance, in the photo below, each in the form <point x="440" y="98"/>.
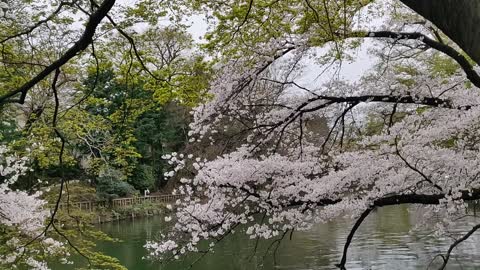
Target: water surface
<point x="384" y="241"/>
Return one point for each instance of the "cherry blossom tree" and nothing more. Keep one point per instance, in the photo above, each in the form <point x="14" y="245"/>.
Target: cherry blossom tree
<point x="421" y="98"/>
<point x="22" y="218"/>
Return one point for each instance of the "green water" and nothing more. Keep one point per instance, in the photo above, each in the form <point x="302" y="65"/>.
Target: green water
<point x="384" y="241"/>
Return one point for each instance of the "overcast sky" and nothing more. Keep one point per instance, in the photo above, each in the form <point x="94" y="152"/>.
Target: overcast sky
<point x="350" y="70"/>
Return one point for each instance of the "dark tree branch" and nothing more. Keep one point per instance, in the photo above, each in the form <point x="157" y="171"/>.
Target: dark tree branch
<point x="353" y="101"/>
<point x="355" y="227"/>
<point x="456" y="243"/>
<point x="244" y="21"/>
<point x="392" y="114"/>
<point x="428" y="101"/>
<point x="92" y="88"/>
<point x="250" y="5"/>
<point x="72" y="245"/>
<point x="39" y="23"/>
<point x="413" y="168"/>
<point x="60" y="160"/>
<point x="135" y="50"/>
<point x="350" y="107"/>
<point x="276" y="243"/>
<point x="315" y="12"/>
<point x="330" y="27"/>
<point x="458" y="19"/>
<point x="410" y="199"/>
<point x="81" y="44"/>
<point x="414" y="198"/>
<point x="422" y="198"/>
<point x="439" y="46"/>
<point x="250" y="78"/>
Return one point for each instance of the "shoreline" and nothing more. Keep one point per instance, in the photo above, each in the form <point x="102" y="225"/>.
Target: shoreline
<point x="127" y="214"/>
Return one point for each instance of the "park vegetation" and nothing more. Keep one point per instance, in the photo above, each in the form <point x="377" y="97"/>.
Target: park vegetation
<point x="118" y="98"/>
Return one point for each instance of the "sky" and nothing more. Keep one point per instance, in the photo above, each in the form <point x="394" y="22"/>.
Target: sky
<point x="350" y="70"/>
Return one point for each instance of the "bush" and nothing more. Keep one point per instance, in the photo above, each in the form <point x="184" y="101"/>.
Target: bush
<point x="143" y="177"/>
<point x="110" y="188"/>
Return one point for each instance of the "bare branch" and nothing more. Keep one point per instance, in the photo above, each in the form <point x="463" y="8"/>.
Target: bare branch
<point x="456" y="243"/>
<point x="355" y="227"/>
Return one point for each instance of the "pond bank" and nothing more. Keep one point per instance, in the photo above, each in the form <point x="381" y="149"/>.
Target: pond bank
<point x="121" y="208"/>
<point x="106" y="215"/>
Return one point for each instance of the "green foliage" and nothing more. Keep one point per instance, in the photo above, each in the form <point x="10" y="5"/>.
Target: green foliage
<point x="145" y="118"/>
<point x="143" y="177"/>
<point x="116" y="115"/>
<point x="11" y="239"/>
<point x="139" y="209"/>
<point x="74" y="191"/>
<point x="132" y="102"/>
<point x="70" y="223"/>
<point x="76" y="226"/>
<point x="406" y="74"/>
<point x="241" y="25"/>
<point x="449" y="143"/>
<point x="159" y="132"/>
<point x="188" y="84"/>
<point x="8" y="130"/>
<point x="442" y="66"/>
<point x="375" y="125"/>
<point x="422" y="109"/>
<point x="109" y="188"/>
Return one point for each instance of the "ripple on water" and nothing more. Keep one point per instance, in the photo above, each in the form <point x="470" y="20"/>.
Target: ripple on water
<point x="384" y="241"/>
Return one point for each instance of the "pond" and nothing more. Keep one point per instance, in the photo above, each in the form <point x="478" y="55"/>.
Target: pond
<point x="386" y="239"/>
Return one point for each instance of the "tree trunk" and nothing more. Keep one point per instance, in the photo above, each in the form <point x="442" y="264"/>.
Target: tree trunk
<point x="458" y="19"/>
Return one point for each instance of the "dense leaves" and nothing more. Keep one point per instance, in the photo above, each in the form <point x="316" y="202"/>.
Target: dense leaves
<point x="101" y="92"/>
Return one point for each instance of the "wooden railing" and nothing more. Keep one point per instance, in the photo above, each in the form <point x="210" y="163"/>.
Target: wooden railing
<point x="158" y="199"/>
<point x="121" y="202"/>
<point x="85" y="205"/>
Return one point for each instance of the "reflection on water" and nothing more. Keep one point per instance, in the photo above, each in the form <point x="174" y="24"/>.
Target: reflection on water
<point x="384" y="241"/>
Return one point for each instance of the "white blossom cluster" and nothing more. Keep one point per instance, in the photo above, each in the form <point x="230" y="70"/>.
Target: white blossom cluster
<point x="18" y="208"/>
<point x="177" y="161"/>
<point x="25" y="213"/>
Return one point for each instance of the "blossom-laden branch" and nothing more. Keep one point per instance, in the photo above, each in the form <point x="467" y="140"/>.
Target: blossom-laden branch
<point x="225" y="94"/>
<point x="24" y="213"/>
<point x="424" y="154"/>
